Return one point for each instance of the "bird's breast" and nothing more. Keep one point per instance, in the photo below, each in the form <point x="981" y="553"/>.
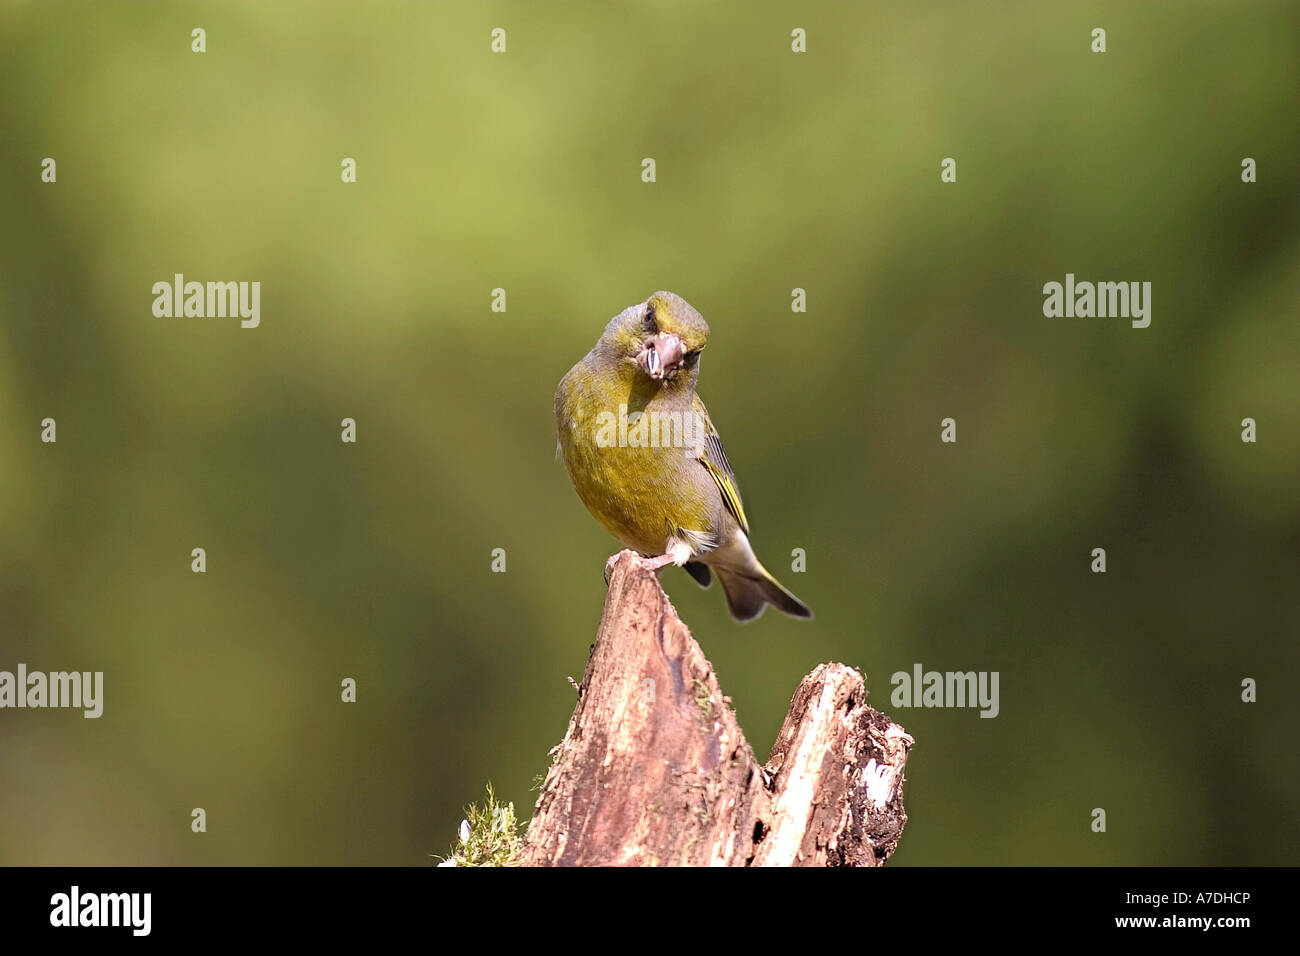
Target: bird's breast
<point x="632" y="460"/>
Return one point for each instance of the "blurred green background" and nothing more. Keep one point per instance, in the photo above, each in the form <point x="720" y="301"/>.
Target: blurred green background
<point x="522" y="171"/>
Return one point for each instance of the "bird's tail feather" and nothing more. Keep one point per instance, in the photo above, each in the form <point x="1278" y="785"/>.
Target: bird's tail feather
<point x="699" y="571"/>
<point x="748" y="594"/>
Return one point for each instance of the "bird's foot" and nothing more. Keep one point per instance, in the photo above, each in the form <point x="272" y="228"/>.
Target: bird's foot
<point x="654" y="564"/>
<point x="660" y="562"/>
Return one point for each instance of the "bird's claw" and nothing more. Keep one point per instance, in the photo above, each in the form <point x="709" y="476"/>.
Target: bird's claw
<point x="654" y="564"/>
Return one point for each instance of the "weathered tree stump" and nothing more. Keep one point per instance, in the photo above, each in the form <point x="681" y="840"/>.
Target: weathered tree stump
<point x="654" y="769"/>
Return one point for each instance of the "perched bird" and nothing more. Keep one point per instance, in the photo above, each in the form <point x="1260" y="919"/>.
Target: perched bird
<point x="647" y="462"/>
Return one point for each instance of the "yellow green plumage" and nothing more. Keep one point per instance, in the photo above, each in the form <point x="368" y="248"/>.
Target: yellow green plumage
<point x="647" y="462"/>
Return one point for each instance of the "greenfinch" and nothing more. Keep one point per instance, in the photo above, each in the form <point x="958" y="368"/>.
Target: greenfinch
<point x="646" y="460"/>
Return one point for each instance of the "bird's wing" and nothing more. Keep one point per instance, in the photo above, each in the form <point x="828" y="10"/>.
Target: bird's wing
<point x="714" y="459"/>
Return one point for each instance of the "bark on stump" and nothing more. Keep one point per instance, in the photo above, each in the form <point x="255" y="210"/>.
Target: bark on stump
<point x="654" y="769"/>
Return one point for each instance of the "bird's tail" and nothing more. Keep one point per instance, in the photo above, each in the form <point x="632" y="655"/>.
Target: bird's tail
<point x="748" y="594"/>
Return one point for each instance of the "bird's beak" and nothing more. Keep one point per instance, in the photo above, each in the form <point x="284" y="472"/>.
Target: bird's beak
<point x="661" y="356"/>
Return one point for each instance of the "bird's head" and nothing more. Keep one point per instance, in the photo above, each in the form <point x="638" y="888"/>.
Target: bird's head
<point x="662" y="337"/>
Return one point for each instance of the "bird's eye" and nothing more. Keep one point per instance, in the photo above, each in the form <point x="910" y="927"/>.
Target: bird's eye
<point x="649" y="321"/>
